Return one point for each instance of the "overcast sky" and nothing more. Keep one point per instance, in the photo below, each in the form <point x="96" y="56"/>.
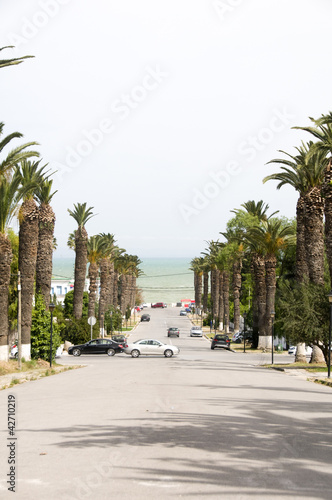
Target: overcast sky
<point x="162" y="115"/>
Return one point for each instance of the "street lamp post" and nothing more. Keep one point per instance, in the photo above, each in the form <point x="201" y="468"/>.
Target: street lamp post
<point x="111" y="314"/>
<point x="244" y="331"/>
<point x="272" y="332"/>
<point x="51" y="308"/>
<point x="226" y="323"/>
<point x="329" y="356"/>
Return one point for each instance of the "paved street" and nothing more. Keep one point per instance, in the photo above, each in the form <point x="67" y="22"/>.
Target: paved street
<point x="203" y="424"/>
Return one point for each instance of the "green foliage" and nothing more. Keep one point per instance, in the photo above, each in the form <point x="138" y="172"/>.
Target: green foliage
<point x="303" y="314"/>
<point x="41" y="332"/>
<point x="68" y="303"/>
<point x="113" y="321"/>
<point x="78" y="331"/>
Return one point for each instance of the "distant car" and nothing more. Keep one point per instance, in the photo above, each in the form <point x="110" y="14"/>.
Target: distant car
<point x="222" y="341"/>
<point x="150" y="347"/>
<point x="145" y="305"/>
<point x="196" y="331"/>
<point x="188" y="310"/>
<point x="293" y="348"/>
<point x="96" y="346"/>
<point x="238" y="338"/>
<point x="158" y="304"/>
<point x="183" y="313"/>
<point x="173" y="331"/>
<point x="119" y="339"/>
<point x="145" y="317"/>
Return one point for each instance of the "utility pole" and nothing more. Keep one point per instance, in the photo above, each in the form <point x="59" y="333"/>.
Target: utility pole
<point x="19" y="337"/>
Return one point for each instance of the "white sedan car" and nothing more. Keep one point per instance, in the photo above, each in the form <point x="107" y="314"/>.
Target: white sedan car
<point x="150" y="347"/>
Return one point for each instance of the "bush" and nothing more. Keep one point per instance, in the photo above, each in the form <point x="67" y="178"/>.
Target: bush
<point x="41" y="332"/>
<point x="78" y="331"/>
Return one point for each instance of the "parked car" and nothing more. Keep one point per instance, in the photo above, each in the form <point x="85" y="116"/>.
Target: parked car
<point x="159" y="304"/>
<point x="150" y="347"/>
<point x="173" y="331"/>
<point x="221" y="340"/>
<point x="119" y="339"/>
<point x="145" y="305"/>
<point x="292" y="350"/>
<point x="188" y="310"/>
<point x="145" y="317"/>
<point x="14" y="351"/>
<point x="183" y="312"/>
<point x="196" y="331"/>
<point x="96" y="346"/>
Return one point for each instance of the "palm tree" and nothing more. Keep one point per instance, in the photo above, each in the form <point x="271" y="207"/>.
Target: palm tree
<point x="270" y="237"/>
<point x="305" y="173"/>
<point x="106" y="273"/>
<point x="9" y="198"/>
<point x="16" y="155"/>
<point x="31" y="177"/>
<point x="95" y="253"/>
<point x="197" y="268"/>
<point x="256" y="213"/>
<point x="44" y="196"/>
<point x="322" y="131"/>
<point x="11" y="62"/>
<point x="81" y="214"/>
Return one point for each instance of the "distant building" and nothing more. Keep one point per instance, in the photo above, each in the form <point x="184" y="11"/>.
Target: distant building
<point x="60" y="287"/>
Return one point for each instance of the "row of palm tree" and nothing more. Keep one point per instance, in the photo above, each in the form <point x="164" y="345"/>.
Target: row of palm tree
<point x="264" y="239"/>
<point x="118" y="271"/>
<point x="260" y="239"/>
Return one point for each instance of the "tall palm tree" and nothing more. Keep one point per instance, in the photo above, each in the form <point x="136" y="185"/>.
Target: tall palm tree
<point x="257" y="212"/>
<point x="44" y="196"/>
<point x="322" y="131"/>
<point x="106" y="273"/>
<point x="95" y="254"/>
<point x="305" y="173"/>
<point x="271" y="236"/>
<point x="196" y="266"/>
<point x="81" y="214"/>
<point x="9" y="198"/>
<point x="31" y="177"/>
<point x="11" y="62"/>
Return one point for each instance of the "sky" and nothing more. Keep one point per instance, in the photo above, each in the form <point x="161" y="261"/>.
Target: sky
<point x="160" y="115"/>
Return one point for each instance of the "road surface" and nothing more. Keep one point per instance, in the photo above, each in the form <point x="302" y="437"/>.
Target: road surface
<point x="203" y="424"/>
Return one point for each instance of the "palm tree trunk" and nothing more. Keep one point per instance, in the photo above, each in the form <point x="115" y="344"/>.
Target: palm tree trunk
<point x="225" y="293"/>
<point x="260" y="295"/>
<point x="206" y="291"/>
<point x="116" y="289"/>
<point x="27" y="258"/>
<point x="81" y="241"/>
<point x="110" y="285"/>
<point x="237" y="281"/>
<point x="314" y="235"/>
<point x="221" y="302"/>
<point x="270" y="276"/>
<point x="301" y="265"/>
<point x="327" y="194"/>
<point x="215" y="292"/>
<point x="104" y="270"/>
<point x="45" y="252"/>
<point x="5" y="262"/>
<point x="93" y="276"/>
<point x="123" y="288"/>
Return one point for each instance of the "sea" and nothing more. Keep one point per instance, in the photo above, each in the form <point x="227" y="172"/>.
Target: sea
<point x="162" y="279"/>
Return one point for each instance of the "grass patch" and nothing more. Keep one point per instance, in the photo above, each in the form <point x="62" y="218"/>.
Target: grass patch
<point x="302" y="366"/>
<point x="323" y="382"/>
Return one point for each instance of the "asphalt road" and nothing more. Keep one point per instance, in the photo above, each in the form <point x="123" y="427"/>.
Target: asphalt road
<point x="203" y="424"/>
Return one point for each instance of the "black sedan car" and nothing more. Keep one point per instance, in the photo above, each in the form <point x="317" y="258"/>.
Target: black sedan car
<point x="145" y="317"/>
<point x="220" y="340"/>
<point x="96" y="346"/>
